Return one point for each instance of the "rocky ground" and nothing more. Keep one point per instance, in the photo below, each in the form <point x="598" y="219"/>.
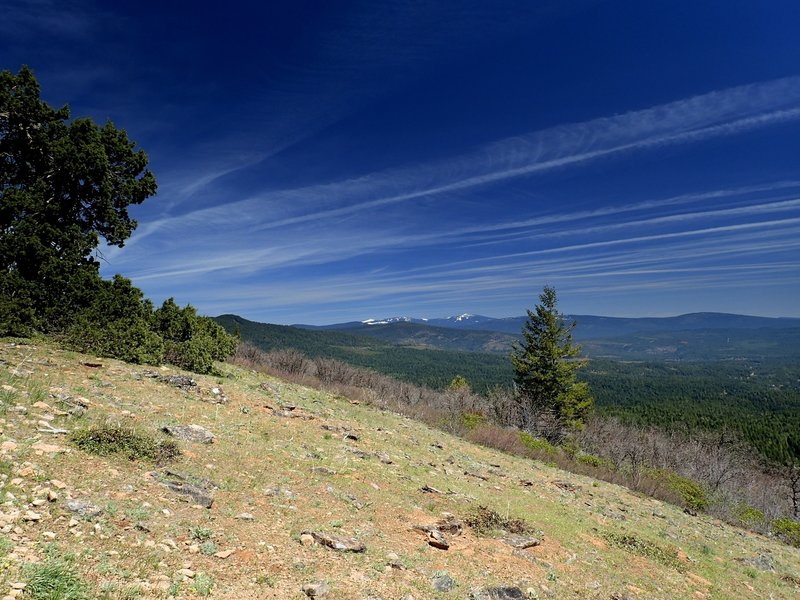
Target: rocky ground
<point x="286" y="492"/>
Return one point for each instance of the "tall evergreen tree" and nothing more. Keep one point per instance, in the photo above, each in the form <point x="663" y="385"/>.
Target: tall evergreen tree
<point x="63" y="185"/>
<point x="545" y="363"/>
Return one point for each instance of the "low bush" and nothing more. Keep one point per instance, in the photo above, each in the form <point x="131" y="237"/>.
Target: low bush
<point x="694" y="496"/>
<point x="748" y="515"/>
<point x="666" y="555"/>
<point x="594" y="461"/>
<point x="191" y="342"/>
<point x="537" y="444"/>
<point x="485" y="521"/>
<point x="117" y="323"/>
<point x="471" y="420"/>
<point x="120" y="323"/>
<point x="107" y="439"/>
<point x="788" y="530"/>
<point x="501" y="438"/>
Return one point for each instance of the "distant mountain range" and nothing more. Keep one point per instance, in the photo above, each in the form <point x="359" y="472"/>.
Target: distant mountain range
<point x="589" y="326"/>
<point x="690" y="337"/>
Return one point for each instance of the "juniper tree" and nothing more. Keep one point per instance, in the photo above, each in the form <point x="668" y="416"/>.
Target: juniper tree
<point x="545" y="363"/>
<point x="64" y="185"/>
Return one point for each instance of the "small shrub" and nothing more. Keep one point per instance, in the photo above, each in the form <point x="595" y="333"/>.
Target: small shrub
<point x="485" y="521"/>
<point x="666" y="555"/>
<point x="691" y="492"/>
<point x="203" y="584"/>
<point x="471" y="420"/>
<point x="117" y="323"/>
<point x="54" y="579"/>
<point x="191" y="342"/>
<point x="594" y="461"/>
<point x="200" y="533"/>
<point x="208" y="548"/>
<point x="570" y="447"/>
<point x="788" y="530"/>
<point x="748" y="515"/>
<point x="536" y="444"/>
<point x="106" y="440"/>
<point x="6" y="546"/>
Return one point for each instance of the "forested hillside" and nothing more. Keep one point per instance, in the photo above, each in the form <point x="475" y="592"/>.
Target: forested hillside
<point x="759" y="399"/>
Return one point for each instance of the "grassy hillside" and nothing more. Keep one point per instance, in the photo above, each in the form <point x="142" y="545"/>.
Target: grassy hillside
<point x="328" y="467"/>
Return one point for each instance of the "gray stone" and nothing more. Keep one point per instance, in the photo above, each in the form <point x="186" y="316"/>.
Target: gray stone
<point x="316" y="590"/>
<point x="190" y="433"/>
<point x="762" y="562"/>
<point x="280" y="492"/>
<point x="340" y="543"/>
<point x="183" y="382"/>
<point x="442" y="582"/>
<point x="198" y="489"/>
<point x="450" y="524"/>
<point x="521" y="542"/>
<point x="217" y="396"/>
<point x="84" y="508"/>
<point x="498" y="593"/>
<point x="323" y="471"/>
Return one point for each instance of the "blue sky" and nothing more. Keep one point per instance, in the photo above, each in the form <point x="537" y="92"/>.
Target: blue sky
<point x="329" y="161"/>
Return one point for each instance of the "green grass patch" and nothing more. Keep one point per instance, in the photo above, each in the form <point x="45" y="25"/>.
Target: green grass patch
<point x="106" y="440"/>
<point x="55" y="579"/>
<point x="6" y="546"/>
<point x="208" y="548"/>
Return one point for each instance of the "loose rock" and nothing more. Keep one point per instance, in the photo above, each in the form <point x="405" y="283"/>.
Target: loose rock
<point x="335" y="542"/>
<point x="316" y="590"/>
<point x="498" y="593"/>
<point x="521" y="542"/>
<point x="190" y="433"/>
<point x="437" y="539"/>
<point x="84" y="508"/>
<point x="179" y="381"/>
<point x="217" y="396"/>
<point x="442" y="582"/>
<point x="196" y="488"/>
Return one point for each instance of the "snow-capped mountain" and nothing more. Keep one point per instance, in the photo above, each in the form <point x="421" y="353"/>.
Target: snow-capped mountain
<point x="462" y="321"/>
<point x="390" y="320"/>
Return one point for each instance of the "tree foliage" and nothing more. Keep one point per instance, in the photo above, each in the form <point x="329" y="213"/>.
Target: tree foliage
<point x="191" y="342"/>
<point x="545" y="368"/>
<point x="63" y="186"/>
